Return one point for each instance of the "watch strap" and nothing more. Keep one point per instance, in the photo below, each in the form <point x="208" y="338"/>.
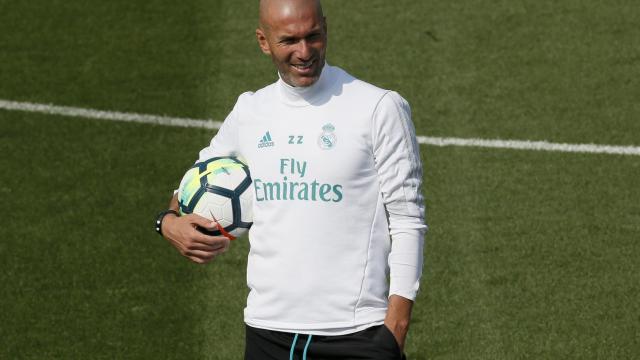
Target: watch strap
<point x="160" y="218"/>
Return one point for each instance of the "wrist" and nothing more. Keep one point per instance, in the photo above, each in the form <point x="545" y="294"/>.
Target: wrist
<point x="162" y="218"/>
<point x="397" y="325"/>
<point x="398" y="313"/>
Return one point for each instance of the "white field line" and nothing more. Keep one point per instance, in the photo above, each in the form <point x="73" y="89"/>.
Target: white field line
<point x="108" y="115"/>
<point x="210" y="124"/>
<point x="531" y="145"/>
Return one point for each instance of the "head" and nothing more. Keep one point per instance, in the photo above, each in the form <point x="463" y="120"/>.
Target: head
<point x="294" y="34"/>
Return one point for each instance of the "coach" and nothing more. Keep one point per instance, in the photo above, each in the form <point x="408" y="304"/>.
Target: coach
<point x="349" y="212"/>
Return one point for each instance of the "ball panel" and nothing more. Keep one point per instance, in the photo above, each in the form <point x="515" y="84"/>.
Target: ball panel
<point x="210" y="205"/>
<point x="246" y="204"/>
<point x="237" y="232"/>
<point x="227" y="215"/>
<point x="226" y="177"/>
<point x="189" y="185"/>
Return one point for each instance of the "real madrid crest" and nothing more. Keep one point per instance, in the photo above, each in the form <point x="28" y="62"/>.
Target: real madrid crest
<point x="328" y="139"/>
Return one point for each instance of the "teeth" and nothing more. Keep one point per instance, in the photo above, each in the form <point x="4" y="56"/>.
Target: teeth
<point x="304" y="65"/>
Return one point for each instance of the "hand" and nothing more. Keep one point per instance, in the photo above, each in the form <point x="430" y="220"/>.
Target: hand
<point x="398" y="330"/>
<point x="196" y="246"/>
<point x="397" y="319"/>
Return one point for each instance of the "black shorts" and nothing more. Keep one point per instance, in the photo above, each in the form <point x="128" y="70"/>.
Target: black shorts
<point x="375" y="343"/>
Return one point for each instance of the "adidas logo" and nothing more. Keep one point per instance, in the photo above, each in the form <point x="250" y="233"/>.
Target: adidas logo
<point x="265" y="141"/>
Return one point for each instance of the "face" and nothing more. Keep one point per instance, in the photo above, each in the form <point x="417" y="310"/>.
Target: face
<point x="296" y="39"/>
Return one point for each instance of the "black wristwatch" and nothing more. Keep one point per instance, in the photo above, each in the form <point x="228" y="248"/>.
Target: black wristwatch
<point x="161" y="217"/>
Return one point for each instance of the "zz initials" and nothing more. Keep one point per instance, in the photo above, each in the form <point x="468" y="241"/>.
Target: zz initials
<point x="293" y="139"/>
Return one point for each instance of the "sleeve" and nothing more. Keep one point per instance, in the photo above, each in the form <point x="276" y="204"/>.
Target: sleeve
<point x="225" y="141"/>
<point x="397" y="161"/>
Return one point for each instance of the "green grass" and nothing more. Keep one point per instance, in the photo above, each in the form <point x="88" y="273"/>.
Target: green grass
<point x="529" y="255"/>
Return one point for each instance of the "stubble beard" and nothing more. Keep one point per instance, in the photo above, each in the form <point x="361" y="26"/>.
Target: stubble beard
<point x="289" y="78"/>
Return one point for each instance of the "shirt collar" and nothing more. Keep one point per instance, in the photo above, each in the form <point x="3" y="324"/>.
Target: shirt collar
<point x="308" y="95"/>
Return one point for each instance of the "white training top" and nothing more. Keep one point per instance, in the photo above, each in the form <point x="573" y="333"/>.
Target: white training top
<point x="336" y="177"/>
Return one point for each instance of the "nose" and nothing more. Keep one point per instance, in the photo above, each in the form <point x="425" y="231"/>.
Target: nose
<point x="304" y="50"/>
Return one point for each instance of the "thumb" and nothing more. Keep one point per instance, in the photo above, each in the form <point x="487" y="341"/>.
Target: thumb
<point x="202" y="222"/>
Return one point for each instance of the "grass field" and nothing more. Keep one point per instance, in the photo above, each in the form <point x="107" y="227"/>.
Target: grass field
<point x="530" y="255"/>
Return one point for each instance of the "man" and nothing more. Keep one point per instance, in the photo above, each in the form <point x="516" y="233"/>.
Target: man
<point x="336" y="173"/>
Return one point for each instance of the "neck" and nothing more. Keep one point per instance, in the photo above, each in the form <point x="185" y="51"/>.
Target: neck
<point x="307" y="95"/>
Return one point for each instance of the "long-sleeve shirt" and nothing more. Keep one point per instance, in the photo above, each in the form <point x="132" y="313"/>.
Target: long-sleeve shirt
<point x="337" y="205"/>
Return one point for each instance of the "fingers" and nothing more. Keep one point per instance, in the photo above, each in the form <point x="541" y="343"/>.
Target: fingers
<point x="201" y="248"/>
<point x="208" y="247"/>
<point x="193" y="244"/>
<point x="198" y="220"/>
<point x="200" y="256"/>
<point x="200" y="223"/>
<point x="209" y="240"/>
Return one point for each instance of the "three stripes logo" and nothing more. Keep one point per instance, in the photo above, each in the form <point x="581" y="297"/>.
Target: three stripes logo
<point x="265" y="141"/>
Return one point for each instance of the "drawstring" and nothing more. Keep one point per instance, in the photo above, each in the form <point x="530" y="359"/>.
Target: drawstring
<point x="304" y="354"/>
<point x="293" y="347"/>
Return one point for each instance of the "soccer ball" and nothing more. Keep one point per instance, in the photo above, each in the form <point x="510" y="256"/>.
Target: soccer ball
<point x="218" y="189"/>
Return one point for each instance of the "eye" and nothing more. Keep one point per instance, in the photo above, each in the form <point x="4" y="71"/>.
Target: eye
<point x="313" y="37"/>
<point x="288" y="41"/>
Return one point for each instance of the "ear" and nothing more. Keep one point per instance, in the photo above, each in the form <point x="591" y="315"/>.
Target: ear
<point x="262" y="41"/>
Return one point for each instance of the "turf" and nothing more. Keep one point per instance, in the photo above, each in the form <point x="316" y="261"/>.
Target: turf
<point x="525" y="266"/>
<point x="529" y="255"/>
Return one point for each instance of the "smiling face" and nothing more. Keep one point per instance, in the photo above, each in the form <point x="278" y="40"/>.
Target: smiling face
<point x="294" y="34"/>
